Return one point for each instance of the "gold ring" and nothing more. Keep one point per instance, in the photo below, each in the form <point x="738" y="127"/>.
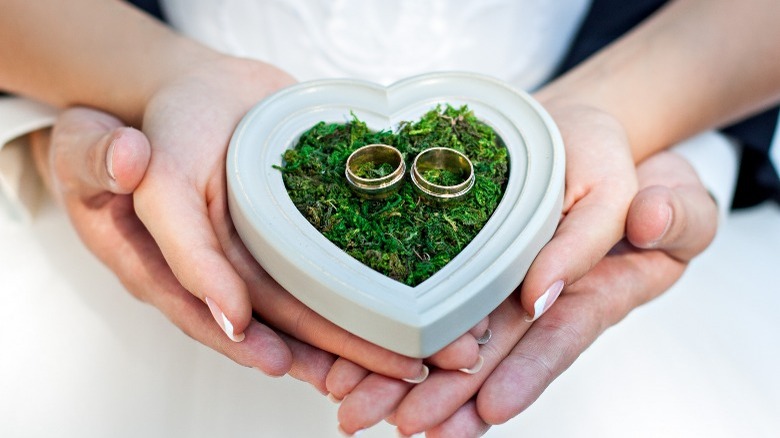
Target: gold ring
<point x="442" y="174"/>
<point x="375" y="170"/>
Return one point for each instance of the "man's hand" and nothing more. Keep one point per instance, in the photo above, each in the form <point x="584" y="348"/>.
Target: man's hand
<point x="670" y="220"/>
<point x="182" y="201"/>
<point x="92" y="166"/>
<point x="91" y="163"/>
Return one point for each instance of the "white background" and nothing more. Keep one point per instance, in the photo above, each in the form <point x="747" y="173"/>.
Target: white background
<point x="80" y="358"/>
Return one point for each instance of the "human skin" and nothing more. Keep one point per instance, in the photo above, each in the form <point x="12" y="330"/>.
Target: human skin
<point x="89" y="195"/>
<point x="671" y="219"/>
<point x="190" y="71"/>
<point x="188" y="99"/>
<point x="666" y="63"/>
<point x="693" y="66"/>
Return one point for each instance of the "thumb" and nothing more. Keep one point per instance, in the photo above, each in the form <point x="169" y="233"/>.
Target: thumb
<point x="93" y="152"/>
<point x="673" y="211"/>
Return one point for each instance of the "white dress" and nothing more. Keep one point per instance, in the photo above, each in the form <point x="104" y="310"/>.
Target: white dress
<point x="520" y="41"/>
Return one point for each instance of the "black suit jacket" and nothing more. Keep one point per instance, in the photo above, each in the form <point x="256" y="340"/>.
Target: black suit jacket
<point x="609" y="19"/>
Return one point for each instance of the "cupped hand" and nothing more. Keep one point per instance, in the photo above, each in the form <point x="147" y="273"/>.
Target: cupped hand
<point x="92" y="163"/>
<point x="182" y="202"/>
<point x="600" y="184"/>
<point x="670" y="220"/>
<point x="93" y="166"/>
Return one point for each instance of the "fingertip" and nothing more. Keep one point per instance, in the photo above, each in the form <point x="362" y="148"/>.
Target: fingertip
<point x="557" y="264"/>
<point x="464" y="422"/>
<point x="273" y="356"/>
<point x="420" y="377"/>
<point x="127" y="158"/>
<point x="498" y="407"/>
<point x="373" y="400"/>
<point x="650" y="217"/>
<point x="344" y="376"/>
<point x="463" y="353"/>
<point x="234" y="332"/>
<point x="536" y="305"/>
<point x="481" y="329"/>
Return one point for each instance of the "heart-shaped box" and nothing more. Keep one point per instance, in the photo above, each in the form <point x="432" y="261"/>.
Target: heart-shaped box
<point x="415" y="321"/>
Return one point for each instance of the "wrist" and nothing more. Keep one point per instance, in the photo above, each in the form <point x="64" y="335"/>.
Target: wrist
<point x="599" y="88"/>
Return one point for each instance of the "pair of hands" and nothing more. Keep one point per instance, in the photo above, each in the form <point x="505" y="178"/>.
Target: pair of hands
<point x="663" y="225"/>
<point x="160" y="221"/>
<point x="154" y="211"/>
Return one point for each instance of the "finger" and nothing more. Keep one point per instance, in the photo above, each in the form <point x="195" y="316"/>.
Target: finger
<point x="343" y="377"/>
<point x="465" y="422"/>
<point x="600" y="184"/>
<point x="624" y="280"/>
<point x="435" y="400"/>
<point x="281" y="310"/>
<point x="262" y="349"/>
<point x="180" y="220"/>
<point x="375" y="398"/>
<point x="121" y="241"/>
<point x="309" y="364"/>
<point x="481" y="331"/>
<point x="94" y="152"/>
<point x="672" y="211"/>
<point x="463" y="353"/>
<point x="574" y="249"/>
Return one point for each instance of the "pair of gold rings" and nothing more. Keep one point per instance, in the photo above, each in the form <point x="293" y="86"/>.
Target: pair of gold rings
<point x="440" y="174"/>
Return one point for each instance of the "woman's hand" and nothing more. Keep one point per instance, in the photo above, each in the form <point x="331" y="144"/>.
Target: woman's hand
<point x="182" y="200"/>
<point x="600" y="183"/>
<point x="94" y="164"/>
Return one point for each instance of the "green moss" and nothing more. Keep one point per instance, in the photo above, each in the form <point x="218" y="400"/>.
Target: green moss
<point x="402" y="236"/>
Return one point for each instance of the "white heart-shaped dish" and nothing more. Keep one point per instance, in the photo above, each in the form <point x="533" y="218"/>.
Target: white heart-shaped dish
<point x="415" y="321"/>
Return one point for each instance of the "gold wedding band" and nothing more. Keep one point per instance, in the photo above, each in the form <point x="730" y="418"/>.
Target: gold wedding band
<point x="442" y="174"/>
<point x="375" y="170"/>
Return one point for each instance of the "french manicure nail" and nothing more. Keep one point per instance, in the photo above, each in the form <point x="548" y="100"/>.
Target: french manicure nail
<point x="261" y="370"/>
<point x="475" y="369"/>
<point x="333" y="398"/>
<point x="223" y="322"/>
<point x="110" y="159"/>
<point x="345" y="433"/>
<point x="547" y="299"/>
<point x="485" y="338"/>
<point x="420" y="377"/>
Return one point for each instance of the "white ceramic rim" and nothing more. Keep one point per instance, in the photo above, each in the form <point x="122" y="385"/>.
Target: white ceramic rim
<point x="413" y="321"/>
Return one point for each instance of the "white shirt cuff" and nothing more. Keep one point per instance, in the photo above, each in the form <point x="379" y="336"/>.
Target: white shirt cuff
<point x="715" y="157"/>
<point x="19" y="184"/>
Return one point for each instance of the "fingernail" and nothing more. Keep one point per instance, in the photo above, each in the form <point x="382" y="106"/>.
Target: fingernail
<point x="400" y="434"/>
<point x="475" y="369"/>
<point x="654" y="243"/>
<point x="485" y="338"/>
<point x="547" y="299"/>
<point x="333" y="398"/>
<point x="420" y="377"/>
<point x="110" y="159"/>
<point x="345" y="433"/>
<point x="223" y="322"/>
